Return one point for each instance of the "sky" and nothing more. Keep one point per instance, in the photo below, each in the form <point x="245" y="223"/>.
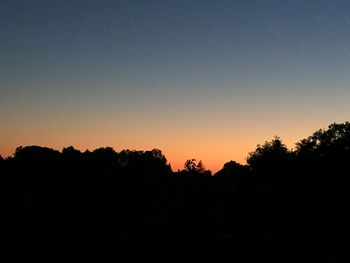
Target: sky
<point x="198" y="79"/>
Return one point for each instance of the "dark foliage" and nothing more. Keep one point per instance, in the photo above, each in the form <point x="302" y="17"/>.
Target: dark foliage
<point x="128" y="206"/>
<point x="191" y="168"/>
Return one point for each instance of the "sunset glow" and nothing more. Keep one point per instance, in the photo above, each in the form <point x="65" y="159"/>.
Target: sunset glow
<point x="197" y="79"/>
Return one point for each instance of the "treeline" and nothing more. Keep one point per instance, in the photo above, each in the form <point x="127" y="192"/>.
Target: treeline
<point x="106" y="206"/>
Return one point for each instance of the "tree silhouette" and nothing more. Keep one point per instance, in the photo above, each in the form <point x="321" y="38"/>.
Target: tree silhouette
<point x="195" y="169"/>
<point x="200" y="167"/>
<point x="201" y="170"/>
<point x="70" y="152"/>
<point x="35" y="153"/>
<point x="271" y="155"/>
<point x="233" y="168"/>
<point x="146" y="162"/>
<point x="2" y="161"/>
<point x="103" y="205"/>
<point x="334" y="140"/>
<point x="190" y="165"/>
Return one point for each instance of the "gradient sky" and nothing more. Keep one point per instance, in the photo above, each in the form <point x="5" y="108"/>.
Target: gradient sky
<point x="197" y="79"/>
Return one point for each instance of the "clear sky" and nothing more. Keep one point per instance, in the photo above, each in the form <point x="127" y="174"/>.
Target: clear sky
<point x="197" y="79"/>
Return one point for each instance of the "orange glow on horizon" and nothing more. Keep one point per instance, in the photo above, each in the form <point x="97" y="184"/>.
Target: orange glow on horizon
<point x="213" y="146"/>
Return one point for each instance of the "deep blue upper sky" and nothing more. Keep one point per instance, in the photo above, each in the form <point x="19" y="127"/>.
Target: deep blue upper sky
<point x="252" y="67"/>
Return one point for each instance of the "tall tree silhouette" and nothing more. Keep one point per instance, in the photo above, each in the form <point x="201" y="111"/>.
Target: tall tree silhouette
<point x="201" y="170"/>
<point x="190" y="165"/>
<point x="270" y="156"/>
<point x="332" y="141"/>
